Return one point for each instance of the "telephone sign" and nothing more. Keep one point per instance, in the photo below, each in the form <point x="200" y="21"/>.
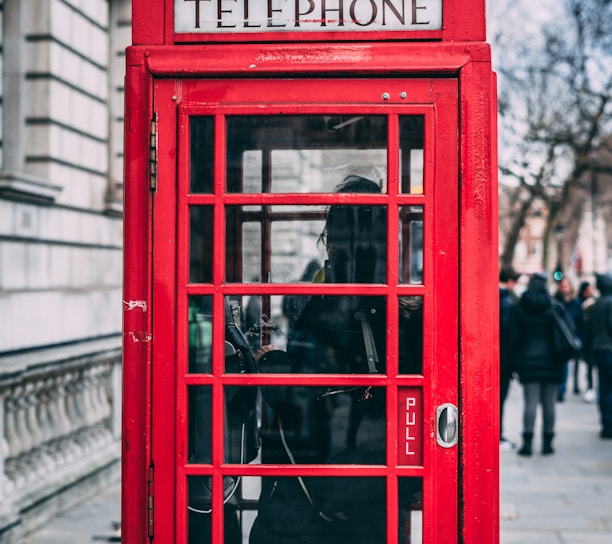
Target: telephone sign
<point x="219" y="16"/>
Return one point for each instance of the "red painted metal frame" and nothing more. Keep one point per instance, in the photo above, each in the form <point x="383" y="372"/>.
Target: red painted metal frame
<point x="462" y="20"/>
<point x="137" y="328"/>
<point x="214" y="93"/>
<point x="476" y="243"/>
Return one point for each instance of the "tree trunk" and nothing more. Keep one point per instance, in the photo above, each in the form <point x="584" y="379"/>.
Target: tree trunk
<point x="513" y="234"/>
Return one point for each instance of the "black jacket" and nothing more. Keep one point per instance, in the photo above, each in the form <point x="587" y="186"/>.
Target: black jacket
<point x="599" y="325"/>
<point x="506" y="344"/>
<point x="532" y="335"/>
<point x="343" y="424"/>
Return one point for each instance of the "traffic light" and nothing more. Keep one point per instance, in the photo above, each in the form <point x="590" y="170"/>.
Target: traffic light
<point x="558" y="273"/>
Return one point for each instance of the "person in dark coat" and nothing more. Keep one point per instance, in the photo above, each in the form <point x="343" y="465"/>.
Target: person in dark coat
<point x="334" y="334"/>
<point x="599" y="348"/>
<point x="507" y="299"/>
<point x="586" y="299"/>
<point x="292" y="305"/>
<point x="573" y="307"/>
<point x="540" y="373"/>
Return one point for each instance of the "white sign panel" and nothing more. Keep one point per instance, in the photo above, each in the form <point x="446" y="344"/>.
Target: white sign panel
<point x="223" y="16"/>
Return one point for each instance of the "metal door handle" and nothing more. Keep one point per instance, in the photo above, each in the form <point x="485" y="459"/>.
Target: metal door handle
<point x="447" y="423"/>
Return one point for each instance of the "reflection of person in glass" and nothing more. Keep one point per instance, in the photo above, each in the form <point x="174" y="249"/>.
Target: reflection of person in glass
<point x="339" y="334"/>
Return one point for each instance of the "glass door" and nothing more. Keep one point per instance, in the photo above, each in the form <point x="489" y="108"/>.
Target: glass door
<point x="305" y="346"/>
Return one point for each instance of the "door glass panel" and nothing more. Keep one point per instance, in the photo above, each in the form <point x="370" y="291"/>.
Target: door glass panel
<point x="355" y="237"/>
<point x="199" y="509"/>
<point x="410" y="491"/>
<point x="304" y="153"/>
<point x="411" y="153"/>
<point x="201" y="154"/>
<point x="411" y="244"/>
<point x="200" y="424"/>
<point x="410" y="335"/>
<point x="240" y="424"/>
<point x="267" y="319"/>
<point x="200" y="244"/>
<point x="200" y="334"/>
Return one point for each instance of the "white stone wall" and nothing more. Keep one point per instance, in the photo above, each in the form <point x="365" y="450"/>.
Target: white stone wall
<point x="67" y="60"/>
<point x="61" y="153"/>
<point x="61" y="184"/>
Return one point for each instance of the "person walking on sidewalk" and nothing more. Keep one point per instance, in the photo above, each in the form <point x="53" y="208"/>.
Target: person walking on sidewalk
<point x="586" y="295"/>
<point x="540" y="373"/>
<point x="599" y="347"/>
<point x="573" y="307"/>
<point x="507" y="299"/>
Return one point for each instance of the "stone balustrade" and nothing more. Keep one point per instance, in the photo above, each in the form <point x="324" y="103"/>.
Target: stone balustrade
<point x="59" y="423"/>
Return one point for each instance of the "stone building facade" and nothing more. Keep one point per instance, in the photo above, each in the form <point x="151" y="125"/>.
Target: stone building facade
<point x="61" y="93"/>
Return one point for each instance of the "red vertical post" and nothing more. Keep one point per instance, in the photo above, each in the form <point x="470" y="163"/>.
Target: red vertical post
<point x="479" y="321"/>
<point x="136" y="305"/>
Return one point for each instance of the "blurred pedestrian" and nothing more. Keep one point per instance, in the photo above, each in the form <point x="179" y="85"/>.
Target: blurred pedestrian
<point x="586" y="296"/>
<point x="539" y="371"/>
<point x="573" y="307"/>
<point x="599" y="348"/>
<point x="507" y="299"/>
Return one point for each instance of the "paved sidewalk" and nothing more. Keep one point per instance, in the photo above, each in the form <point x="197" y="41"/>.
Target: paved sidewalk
<point x="565" y="498"/>
<point x="91" y="521"/>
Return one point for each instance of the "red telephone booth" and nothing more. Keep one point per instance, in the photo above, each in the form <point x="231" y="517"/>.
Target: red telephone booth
<point x="310" y="280"/>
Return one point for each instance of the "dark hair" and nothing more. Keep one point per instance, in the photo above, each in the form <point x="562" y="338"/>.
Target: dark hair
<point x="509" y="273"/>
<point x="604" y="284"/>
<point x="356" y="237"/>
<point x="584" y="285"/>
<point x="538" y="282"/>
<point x="357" y="184"/>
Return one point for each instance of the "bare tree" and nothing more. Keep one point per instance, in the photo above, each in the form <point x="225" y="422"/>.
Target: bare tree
<point x="555" y="107"/>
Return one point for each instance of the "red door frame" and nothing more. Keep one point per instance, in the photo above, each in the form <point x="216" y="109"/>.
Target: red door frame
<point x="439" y="301"/>
<point x="478" y="471"/>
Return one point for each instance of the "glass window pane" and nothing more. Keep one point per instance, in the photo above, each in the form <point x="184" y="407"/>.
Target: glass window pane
<point x="200" y="334"/>
<point x="411" y="244"/>
<point x="411" y="154"/>
<point x="267" y="319"/>
<point x="201" y="154"/>
<point x="200" y="424"/>
<point x="350" y="242"/>
<point x="242" y="415"/>
<point x="304" y="153"/>
<point x="410" y="510"/>
<point x="200" y="509"/>
<point x="410" y="335"/>
<point x="200" y="244"/>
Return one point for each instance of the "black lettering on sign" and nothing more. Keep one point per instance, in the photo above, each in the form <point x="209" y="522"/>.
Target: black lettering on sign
<point x="373" y="12"/>
<point x="325" y="9"/>
<point x="299" y="14"/>
<point x="248" y="24"/>
<point x="309" y="14"/>
<point x="415" y="14"/>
